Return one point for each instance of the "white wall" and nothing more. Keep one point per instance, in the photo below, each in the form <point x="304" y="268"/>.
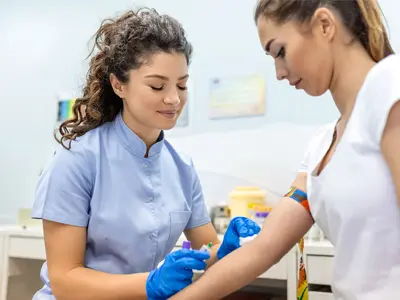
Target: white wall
<point x="42" y="51"/>
<point x="268" y="157"/>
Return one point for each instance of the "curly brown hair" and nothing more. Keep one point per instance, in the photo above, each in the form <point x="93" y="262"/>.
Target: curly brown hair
<point x="121" y="44"/>
<point x="363" y="19"/>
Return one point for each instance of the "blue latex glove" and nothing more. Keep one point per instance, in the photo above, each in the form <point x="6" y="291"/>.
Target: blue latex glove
<point x="175" y="273"/>
<point x="238" y="227"/>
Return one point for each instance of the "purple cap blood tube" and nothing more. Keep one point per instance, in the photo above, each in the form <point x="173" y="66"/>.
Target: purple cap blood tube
<point x="186" y="245"/>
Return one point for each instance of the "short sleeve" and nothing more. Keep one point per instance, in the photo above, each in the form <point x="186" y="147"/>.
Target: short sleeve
<point x="380" y="118"/>
<point x="381" y="95"/>
<point x="199" y="214"/>
<point x="64" y="189"/>
<point x="305" y="162"/>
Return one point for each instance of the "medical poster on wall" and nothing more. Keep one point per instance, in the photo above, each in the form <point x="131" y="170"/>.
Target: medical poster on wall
<point x="237" y="97"/>
<point x="65" y="108"/>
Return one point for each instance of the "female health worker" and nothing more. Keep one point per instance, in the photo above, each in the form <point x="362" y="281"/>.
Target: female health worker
<point x="117" y="196"/>
<point x="351" y="171"/>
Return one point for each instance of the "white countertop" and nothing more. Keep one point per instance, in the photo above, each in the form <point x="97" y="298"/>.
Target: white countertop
<point x="18" y="230"/>
<point x="324" y="247"/>
<point x="311" y="247"/>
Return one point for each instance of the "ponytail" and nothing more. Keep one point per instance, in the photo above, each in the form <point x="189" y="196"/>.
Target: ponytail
<point x="376" y="39"/>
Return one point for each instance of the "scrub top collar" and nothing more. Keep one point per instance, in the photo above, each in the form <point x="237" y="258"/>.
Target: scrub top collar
<point x="134" y="143"/>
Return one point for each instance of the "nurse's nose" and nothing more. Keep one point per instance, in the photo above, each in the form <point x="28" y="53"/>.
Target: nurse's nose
<point x="172" y="98"/>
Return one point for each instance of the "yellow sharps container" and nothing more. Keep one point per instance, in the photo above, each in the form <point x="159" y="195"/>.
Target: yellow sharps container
<point x="244" y="199"/>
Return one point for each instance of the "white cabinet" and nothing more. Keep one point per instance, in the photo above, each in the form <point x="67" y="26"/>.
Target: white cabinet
<point x="318" y="258"/>
<point x="278" y="271"/>
<point x="319" y="269"/>
<point x="18" y="246"/>
<point x="26" y="247"/>
<point x="320" y="296"/>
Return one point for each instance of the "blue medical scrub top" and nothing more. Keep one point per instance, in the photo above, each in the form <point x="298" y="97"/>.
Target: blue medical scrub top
<point x="134" y="208"/>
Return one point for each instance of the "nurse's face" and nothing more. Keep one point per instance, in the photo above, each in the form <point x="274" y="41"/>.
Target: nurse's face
<point x="301" y="56"/>
<point x="156" y="92"/>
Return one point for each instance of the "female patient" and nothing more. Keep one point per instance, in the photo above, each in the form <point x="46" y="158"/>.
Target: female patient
<point x="117" y="195"/>
<point x="351" y="171"/>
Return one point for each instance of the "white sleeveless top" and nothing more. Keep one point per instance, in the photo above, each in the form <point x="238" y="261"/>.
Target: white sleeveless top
<point x="354" y="200"/>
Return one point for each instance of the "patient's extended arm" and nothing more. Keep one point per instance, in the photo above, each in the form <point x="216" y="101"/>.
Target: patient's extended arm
<point x="283" y="228"/>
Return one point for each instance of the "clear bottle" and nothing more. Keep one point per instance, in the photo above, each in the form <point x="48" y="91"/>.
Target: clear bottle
<point x="206" y="248"/>
<point x="259" y="218"/>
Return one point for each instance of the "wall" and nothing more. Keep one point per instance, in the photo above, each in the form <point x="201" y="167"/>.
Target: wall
<point x="44" y="44"/>
<point x="267" y="157"/>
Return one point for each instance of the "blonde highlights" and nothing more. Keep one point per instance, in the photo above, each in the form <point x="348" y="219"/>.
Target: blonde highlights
<point x="378" y="42"/>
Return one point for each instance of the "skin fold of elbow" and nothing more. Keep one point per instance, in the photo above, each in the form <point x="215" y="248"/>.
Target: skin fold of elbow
<point x="62" y="288"/>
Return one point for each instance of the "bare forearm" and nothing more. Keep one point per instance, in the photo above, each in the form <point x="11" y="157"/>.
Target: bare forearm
<point x="213" y="256"/>
<point x="286" y="224"/>
<point x="86" y="284"/>
<point x="222" y="279"/>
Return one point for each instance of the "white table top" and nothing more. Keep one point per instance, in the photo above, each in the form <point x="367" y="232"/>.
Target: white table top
<point x="18" y="230"/>
<point x="310" y="247"/>
<point x="324" y="247"/>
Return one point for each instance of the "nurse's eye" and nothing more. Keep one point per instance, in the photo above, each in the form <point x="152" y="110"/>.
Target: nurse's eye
<point x="281" y="53"/>
<point x="157" y="88"/>
<point x="182" y="88"/>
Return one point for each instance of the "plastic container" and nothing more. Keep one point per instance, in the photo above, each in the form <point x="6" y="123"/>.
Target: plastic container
<point x="315" y="234"/>
<point x="259" y="218"/>
<point x="205" y="248"/>
<point x="186" y="245"/>
<point x="243" y="199"/>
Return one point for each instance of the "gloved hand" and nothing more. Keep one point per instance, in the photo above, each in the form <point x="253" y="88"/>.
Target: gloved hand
<point x="175" y="273"/>
<point x="238" y="227"/>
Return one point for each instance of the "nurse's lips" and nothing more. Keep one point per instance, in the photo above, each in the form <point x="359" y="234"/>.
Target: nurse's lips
<point x="295" y="83"/>
<point x="170" y="114"/>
